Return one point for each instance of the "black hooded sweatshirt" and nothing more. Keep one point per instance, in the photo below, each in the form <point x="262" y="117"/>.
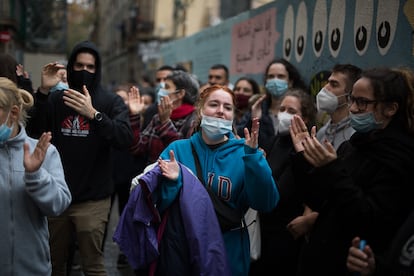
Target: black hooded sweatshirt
<point x="84" y="145"/>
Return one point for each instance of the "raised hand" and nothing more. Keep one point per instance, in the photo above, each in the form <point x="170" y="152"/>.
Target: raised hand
<point x="314" y="152"/>
<point x="21" y="72"/>
<point x="50" y="76"/>
<point x="165" y="108"/>
<point x="135" y="103"/>
<point x="252" y="138"/>
<point x="80" y="102"/>
<point x="299" y="132"/>
<point x="169" y="168"/>
<point x="257" y="108"/>
<point x="32" y="162"/>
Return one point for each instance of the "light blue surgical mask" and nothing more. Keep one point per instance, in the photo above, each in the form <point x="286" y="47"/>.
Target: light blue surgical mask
<point x="59" y="86"/>
<point x="276" y="87"/>
<point x="5" y="131"/>
<point x="364" y="122"/>
<point x="162" y="93"/>
<point x="158" y="87"/>
<point x="215" y="128"/>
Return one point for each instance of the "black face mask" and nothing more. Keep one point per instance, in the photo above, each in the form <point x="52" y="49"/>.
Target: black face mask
<point x="81" y="78"/>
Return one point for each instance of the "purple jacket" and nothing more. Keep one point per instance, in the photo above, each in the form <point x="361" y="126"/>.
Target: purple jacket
<point x="136" y="232"/>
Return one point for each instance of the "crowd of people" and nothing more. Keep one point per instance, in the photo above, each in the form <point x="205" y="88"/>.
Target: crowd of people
<point x="328" y="175"/>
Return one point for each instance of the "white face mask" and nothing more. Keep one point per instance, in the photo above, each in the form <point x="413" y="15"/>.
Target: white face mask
<point x="326" y="101"/>
<point x="215" y="128"/>
<point x="285" y="119"/>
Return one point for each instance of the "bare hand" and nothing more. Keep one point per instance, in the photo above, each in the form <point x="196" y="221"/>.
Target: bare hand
<point x="20" y="71"/>
<point x="135" y="103"/>
<point x="252" y="138"/>
<point x="257" y="108"/>
<point x="317" y="154"/>
<point x="314" y="152"/>
<point x="302" y="225"/>
<point x="165" y="109"/>
<point x="299" y="132"/>
<point x="32" y="162"/>
<point x="362" y="261"/>
<point x="79" y="102"/>
<point x="170" y="169"/>
<point x="50" y="76"/>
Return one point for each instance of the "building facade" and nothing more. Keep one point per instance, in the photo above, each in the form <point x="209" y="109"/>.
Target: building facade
<point x="131" y="32"/>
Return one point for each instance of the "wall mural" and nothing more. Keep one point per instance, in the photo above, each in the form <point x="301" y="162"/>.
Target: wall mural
<point x="312" y="35"/>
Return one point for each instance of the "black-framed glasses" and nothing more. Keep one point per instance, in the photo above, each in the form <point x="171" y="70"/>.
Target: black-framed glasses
<point x="362" y="103"/>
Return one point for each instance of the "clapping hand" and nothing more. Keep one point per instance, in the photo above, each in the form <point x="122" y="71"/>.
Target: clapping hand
<point x="135" y="103"/>
<point x="33" y="161"/>
<point x="170" y="169"/>
<point x="165" y="109"/>
<point x="314" y="152"/>
<point x="257" y="108"/>
<point x="21" y="72"/>
<point x="50" y="76"/>
<point x="252" y="138"/>
<point x="79" y="102"/>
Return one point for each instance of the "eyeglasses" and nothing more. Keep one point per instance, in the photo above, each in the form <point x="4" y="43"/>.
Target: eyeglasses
<point x="361" y="103"/>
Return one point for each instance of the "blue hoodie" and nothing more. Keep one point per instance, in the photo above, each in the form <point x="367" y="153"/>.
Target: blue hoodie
<point x="239" y="175"/>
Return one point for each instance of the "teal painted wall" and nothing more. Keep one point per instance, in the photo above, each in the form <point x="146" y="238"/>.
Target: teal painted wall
<point x="312" y="35"/>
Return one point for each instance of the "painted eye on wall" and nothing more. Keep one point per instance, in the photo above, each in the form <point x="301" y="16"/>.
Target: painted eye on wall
<point x="320" y="18"/>
<point x="361" y="38"/>
<point x="288" y="47"/>
<point x="364" y="11"/>
<point x="335" y="39"/>
<point x="301" y="31"/>
<point x="336" y="26"/>
<point x="288" y="29"/>
<point x="386" y="24"/>
<point x="383" y="34"/>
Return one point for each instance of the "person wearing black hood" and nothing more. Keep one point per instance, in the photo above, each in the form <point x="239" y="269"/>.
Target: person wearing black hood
<point x="86" y="122"/>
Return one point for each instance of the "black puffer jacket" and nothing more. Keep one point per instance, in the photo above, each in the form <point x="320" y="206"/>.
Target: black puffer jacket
<point x="366" y="192"/>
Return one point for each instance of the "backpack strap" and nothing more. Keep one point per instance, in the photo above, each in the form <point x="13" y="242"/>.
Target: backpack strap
<point x="228" y="217"/>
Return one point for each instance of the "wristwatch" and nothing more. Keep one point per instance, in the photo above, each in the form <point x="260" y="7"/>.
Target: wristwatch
<point x="98" y="116"/>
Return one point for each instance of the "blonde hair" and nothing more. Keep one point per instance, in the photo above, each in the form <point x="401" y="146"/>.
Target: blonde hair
<point x="11" y="95"/>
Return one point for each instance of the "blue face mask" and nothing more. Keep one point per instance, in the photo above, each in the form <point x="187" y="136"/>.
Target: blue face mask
<point x="59" y="86"/>
<point x="276" y="87"/>
<point x="215" y="128"/>
<point x="364" y="122"/>
<point x="5" y="131"/>
<point x="158" y="87"/>
<point x="162" y="93"/>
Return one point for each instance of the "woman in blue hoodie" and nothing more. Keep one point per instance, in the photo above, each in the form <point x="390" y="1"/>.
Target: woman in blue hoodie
<point x="233" y="170"/>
